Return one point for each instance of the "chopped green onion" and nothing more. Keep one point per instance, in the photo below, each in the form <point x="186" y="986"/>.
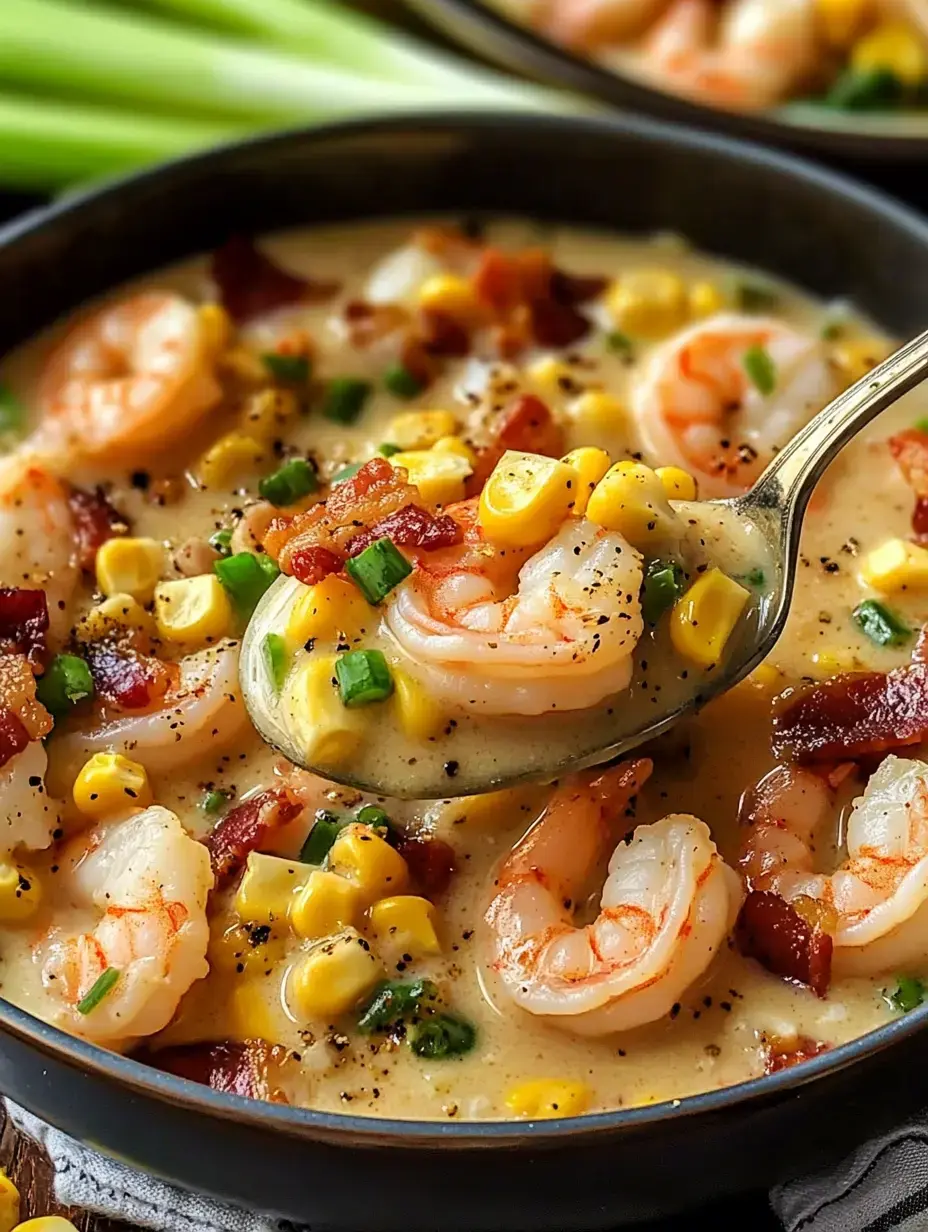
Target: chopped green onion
<point x="619" y="343"/>
<point x="922" y="425"/>
<point x="909" y="994"/>
<point x="440" y="1036"/>
<point x="755" y="297"/>
<point x="880" y="624"/>
<point x="291" y="483"/>
<point x="756" y="578"/>
<point x="761" y="369"/>
<point x="275" y="655"/>
<point x="12" y="411"/>
<point x="67" y="681"/>
<point x="378" y="569"/>
<point x="319" y="841"/>
<point x="345" y="398"/>
<point x="401" y="382"/>
<point x="373" y="815"/>
<point x="103" y="985"/>
<point x="387" y="450"/>
<point x="222" y="541"/>
<point x="346" y="472"/>
<point x="214" y="802"/>
<point x="394" y="1000"/>
<point x="287" y="369"/>
<point x="831" y="331"/>
<point x="875" y="89"/>
<point x="363" y="677"/>
<point x="246" y="577"/>
<point x="662" y="587"/>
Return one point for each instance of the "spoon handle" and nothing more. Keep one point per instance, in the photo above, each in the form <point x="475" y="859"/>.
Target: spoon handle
<point x="788" y="481"/>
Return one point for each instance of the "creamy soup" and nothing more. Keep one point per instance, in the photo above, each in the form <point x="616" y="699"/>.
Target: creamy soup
<point x="204" y="458"/>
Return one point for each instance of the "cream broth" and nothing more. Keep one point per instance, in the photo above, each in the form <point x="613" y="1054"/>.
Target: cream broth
<point x="734" y="1016"/>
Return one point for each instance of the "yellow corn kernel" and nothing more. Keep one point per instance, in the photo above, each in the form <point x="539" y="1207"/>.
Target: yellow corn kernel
<point x="240" y="948"/>
<point x="765" y="676"/>
<point x="705" y="299"/>
<point x="895" y="46"/>
<point x="109" y="783"/>
<point x="855" y="358"/>
<point x="421" y="429"/>
<point x="495" y="808"/>
<point x="116" y="614"/>
<point x="895" y="565"/>
<point x="590" y="464"/>
<point x="216" y="327"/>
<point x="454" y="444"/>
<point x="841" y="21"/>
<point x="267" y="412"/>
<point x="826" y="664"/>
<point x="438" y="476"/>
<point x="595" y="412"/>
<point x="678" y="483"/>
<point x="193" y="610"/>
<point x="368" y="861"/>
<point x="9" y="1203"/>
<point x="452" y="295"/>
<point x="420" y="715"/>
<point x="267" y="888"/>
<point x="332" y="608"/>
<point x="552" y="377"/>
<point x="243" y="365"/>
<point x="648" y="303"/>
<point x="20" y="892"/>
<point x="333" y="977"/>
<point x="46" y="1223"/>
<point x="233" y="456"/>
<point x="545" y="1098"/>
<point x="704" y="618"/>
<point x="526" y="498"/>
<point x="407" y="924"/>
<point x="330" y="733"/>
<point x="130" y="567"/>
<point x="630" y="498"/>
<point x="251" y="1015"/>
<point x="326" y="904"/>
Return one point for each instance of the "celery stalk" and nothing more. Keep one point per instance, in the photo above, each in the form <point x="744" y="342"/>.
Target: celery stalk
<point x="71" y="47"/>
<point x="45" y="146"/>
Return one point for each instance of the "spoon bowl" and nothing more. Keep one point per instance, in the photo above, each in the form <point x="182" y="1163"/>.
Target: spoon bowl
<point x="764" y="525"/>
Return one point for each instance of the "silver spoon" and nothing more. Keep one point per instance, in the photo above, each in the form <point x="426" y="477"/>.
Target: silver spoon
<point x="772" y="509"/>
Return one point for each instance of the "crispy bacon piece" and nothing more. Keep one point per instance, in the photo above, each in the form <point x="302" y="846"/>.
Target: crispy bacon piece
<point x="854" y="715"/>
<point x="784" y="1054"/>
<point x="247" y="1069"/>
<point x="527" y="426"/>
<point x="370" y="323"/>
<point x="431" y="863"/>
<point x="13" y="735"/>
<point x="411" y="527"/>
<point x="23" y="622"/>
<point x="440" y="334"/>
<point x="124" y="678"/>
<point x="507" y="282"/>
<point x="772" y="931"/>
<point x="95" y="521"/>
<point x="311" y="564"/>
<point x="250" y="283"/>
<point x="246" y="827"/>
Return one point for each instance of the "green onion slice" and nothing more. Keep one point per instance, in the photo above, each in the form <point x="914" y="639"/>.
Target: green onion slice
<point x="214" y="801"/>
<point x="287" y="369"/>
<point x="103" y="985"/>
<point x="344" y="399"/>
<point x="291" y="483"/>
<point x="67" y="681"/>
<point x="662" y="587"/>
<point x="388" y="449"/>
<point x="275" y="655"/>
<point x="909" y="994"/>
<point x="221" y="541"/>
<point x="880" y="624"/>
<point x="246" y="577"/>
<point x="12" y="411"/>
<point x="401" y="382"/>
<point x="620" y="344"/>
<point x="363" y="677"/>
<point x="319" y="841"/>
<point x="876" y="89"/>
<point x="761" y="369"/>
<point x="755" y="297"/>
<point x="377" y="569"/>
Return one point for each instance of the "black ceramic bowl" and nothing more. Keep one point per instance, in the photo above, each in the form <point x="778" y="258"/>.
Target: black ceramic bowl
<point x="847" y="135"/>
<point x="347" y="1172"/>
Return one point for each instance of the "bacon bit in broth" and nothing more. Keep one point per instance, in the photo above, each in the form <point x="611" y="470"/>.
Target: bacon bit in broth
<point x="250" y="283"/>
<point x="247" y="827"/>
<point x="23" y="622"/>
<point x="771" y="930"/>
<point x="95" y="521"/>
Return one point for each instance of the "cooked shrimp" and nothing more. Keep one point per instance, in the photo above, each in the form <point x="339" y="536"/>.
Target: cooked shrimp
<point x="37" y="546"/>
<point x="133" y="378"/>
<point x="511" y="633"/>
<point x="201" y="713"/>
<point x="697" y="406"/>
<point x="666" y="907"/>
<point x="150" y="881"/>
<point x="591" y="24"/>
<point x="751" y="54"/>
<point x="28" y="817"/>
<point x="878" y="895"/>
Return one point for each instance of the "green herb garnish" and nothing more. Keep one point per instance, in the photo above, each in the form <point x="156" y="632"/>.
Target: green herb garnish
<point x="344" y="399"/>
<point x="440" y="1036"/>
<point x="222" y="541"/>
<point x="378" y="569"/>
<point x="756" y="578"/>
<point x="214" y="801"/>
<point x="909" y="994"/>
<point x="401" y="382"/>
<point x="761" y="369"/>
<point x="662" y="587"/>
<point x="880" y="624"/>
<point x="393" y="1001"/>
<point x="275" y="656"/>
<point x="319" y="841"/>
<point x="66" y="681"/>
<point x="363" y="677"/>
<point x="287" y="369"/>
<point x="294" y="480"/>
<point x="246" y="577"/>
<point x="103" y="985"/>
<point x="388" y="449"/>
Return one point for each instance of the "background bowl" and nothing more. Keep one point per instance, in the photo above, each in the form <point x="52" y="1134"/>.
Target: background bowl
<point x="848" y="136"/>
<point x="345" y="1172"/>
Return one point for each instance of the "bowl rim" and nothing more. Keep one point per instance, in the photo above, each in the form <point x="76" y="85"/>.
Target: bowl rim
<point x="477" y="20"/>
<point x="387" y="1131"/>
